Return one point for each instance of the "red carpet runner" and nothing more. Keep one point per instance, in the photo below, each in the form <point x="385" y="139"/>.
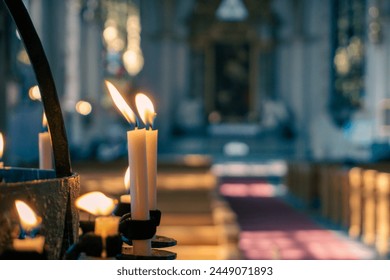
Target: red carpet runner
<point x="272" y="229"/>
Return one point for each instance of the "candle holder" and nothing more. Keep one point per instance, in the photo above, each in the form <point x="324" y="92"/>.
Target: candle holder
<point x="128" y="227"/>
<point x="12" y="254"/>
<point x="157" y="254"/>
<point x="93" y="246"/>
<point x="28" y="246"/>
<point x="143" y="230"/>
<point x="52" y="192"/>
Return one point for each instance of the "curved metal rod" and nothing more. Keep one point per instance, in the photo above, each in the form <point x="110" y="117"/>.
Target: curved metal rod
<point x="46" y="85"/>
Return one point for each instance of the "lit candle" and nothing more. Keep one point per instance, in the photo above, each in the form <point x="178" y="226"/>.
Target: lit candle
<point x="137" y="164"/>
<point x="29" y="222"/>
<point x="97" y="203"/>
<point x="45" y="148"/>
<point x="146" y="110"/>
<point x="1" y="149"/>
<point x="126" y="198"/>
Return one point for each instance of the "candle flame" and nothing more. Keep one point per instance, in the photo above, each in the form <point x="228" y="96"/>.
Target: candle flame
<point x="28" y="218"/>
<point x="120" y="103"/>
<point x="127" y="179"/>
<point x="145" y="108"/>
<point x="2" y="142"/>
<point x="44" y="121"/>
<point x="96" y="203"/>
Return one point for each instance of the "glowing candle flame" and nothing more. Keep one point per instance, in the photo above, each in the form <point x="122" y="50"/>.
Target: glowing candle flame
<point x="28" y="218"/>
<point x="127" y="179"/>
<point x="121" y="103"/>
<point x="2" y="142"/>
<point x="96" y="203"/>
<point x="145" y="108"/>
<point x="44" y="121"/>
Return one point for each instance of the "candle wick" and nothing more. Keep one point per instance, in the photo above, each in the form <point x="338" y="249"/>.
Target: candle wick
<point x="137" y="123"/>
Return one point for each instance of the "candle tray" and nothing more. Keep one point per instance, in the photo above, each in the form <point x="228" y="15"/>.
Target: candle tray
<point x="51" y="198"/>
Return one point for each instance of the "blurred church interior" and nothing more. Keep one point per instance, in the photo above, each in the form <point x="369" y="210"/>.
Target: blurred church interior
<point x="273" y="116"/>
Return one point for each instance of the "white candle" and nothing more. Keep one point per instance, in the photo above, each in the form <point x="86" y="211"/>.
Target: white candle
<point x="45" y="148"/>
<point x="137" y="164"/>
<point x="146" y="110"/>
<point x="138" y="185"/>
<point x="29" y="244"/>
<point x="106" y="225"/>
<point x="28" y="221"/>
<point x="151" y="149"/>
<point x="1" y="149"/>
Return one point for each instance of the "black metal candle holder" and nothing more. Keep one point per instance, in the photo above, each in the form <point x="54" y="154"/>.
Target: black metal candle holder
<point x="12" y="254"/>
<point x="157" y="254"/>
<point x="120" y="246"/>
<point x="93" y="246"/>
<point x="129" y="227"/>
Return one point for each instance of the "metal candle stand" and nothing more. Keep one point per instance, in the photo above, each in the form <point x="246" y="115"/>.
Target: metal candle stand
<point x="12" y="254"/>
<point x="142" y="230"/>
<point x="92" y="246"/>
<point x="120" y="246"/>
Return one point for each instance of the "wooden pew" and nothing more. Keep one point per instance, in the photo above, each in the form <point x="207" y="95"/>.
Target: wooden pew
<point x="382" y="215"/>
<point x="355" y="202"/>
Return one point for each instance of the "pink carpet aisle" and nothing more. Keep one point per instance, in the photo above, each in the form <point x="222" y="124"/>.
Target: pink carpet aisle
<point x="272" y="229"/>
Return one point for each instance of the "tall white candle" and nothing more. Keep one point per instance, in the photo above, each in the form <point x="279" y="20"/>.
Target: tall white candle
<point x="151" y="153"/>
<point x="138" y="185"/>
<point x="146" y="110"/>
<point x="137" y="164"/>
<point x="45" y="147"/>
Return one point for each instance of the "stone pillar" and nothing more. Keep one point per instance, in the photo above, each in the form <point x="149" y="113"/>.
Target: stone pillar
<point x="72" y="71"/>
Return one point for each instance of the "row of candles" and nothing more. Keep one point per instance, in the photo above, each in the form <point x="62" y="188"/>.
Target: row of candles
<point x="142" y="157"/>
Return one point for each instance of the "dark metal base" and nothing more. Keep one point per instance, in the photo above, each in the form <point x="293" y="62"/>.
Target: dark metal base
<point x="157" y="242"/>
<point x="127" y="254"/>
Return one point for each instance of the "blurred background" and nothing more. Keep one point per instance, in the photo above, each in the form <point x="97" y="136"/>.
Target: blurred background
<point x="240" y="87"/>
<point x="294" y="78"/>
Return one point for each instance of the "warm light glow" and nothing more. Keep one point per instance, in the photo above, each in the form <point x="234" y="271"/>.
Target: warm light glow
<point x="145" y="108"/>
<point x="96" y="203"/>
<point x="110" y="33"/>
<point x="133" y="61"/>
<point x="2" y="142"/>
<point x="127" y="179"/>
<point x="83" y="107"/>
<point x="23" y="57"/>
<point x="44" y="121"/>
<point x="28" y="218"/>
<point x="121" y="103"/>
<point x="34" y="93"/>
